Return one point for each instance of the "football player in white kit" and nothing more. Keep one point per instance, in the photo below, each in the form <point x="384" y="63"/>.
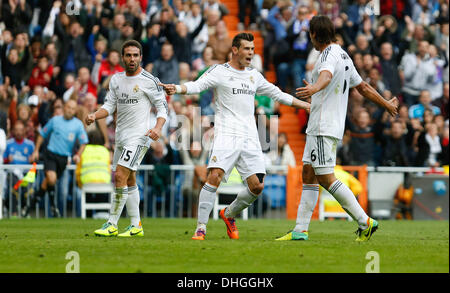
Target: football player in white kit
<point x="236" y="140"/>
<point x="131" y="94"/>
<point x="333" y="76"/>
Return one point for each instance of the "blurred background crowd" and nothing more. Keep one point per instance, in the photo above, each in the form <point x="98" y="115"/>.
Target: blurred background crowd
<point x="54" y="51"/>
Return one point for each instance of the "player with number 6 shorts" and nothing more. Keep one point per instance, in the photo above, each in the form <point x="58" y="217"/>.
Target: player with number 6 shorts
<point x="332" y="78"/>
<point x="131" y="94"/>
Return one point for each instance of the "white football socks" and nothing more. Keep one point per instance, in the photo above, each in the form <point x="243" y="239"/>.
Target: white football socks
<point x="205" y="205"/>
<point x="133" y="206"/>
<point x="117" y="204"/>
<point x="348" y="201"/>
<point x="310" y="194"/>
<point x="243" y="200"/>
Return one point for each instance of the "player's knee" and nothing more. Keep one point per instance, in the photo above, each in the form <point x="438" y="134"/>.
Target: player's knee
<point x="257" y="188"/>
<point x="326" y="180"/>
<point x="120" y="178"/>
<point x="131" y="181"/>
<point x="308" y="175"/>
<point x="214" y="178"/>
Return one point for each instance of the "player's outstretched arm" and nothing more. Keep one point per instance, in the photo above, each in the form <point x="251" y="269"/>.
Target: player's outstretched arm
<point x="370" y="93"/>
<point x="210" y="79"/>
<point x="268" y="89"/>
<point x="296" y="103"/>
<point x="99" y="114"/>
<point x="172" y="89"/>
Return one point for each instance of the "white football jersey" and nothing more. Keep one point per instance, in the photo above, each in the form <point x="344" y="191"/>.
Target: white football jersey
<point x="329" y="106"/>
<point x="132" y="97"/>
<point x="234" y="92"/>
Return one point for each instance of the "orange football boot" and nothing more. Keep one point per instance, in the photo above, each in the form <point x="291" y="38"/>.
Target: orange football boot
<point x="232" y="231"/>
<point x="199" y="235"/>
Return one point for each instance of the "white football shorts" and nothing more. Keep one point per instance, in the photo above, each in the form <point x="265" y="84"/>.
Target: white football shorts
<point x="243" y="153"/>
<point x="320" y="153"/>
<point x="129" y="156"/>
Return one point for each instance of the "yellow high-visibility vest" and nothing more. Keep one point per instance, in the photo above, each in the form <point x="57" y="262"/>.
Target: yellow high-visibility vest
<point x="95" y="165"/>
<point x="233" y="179"/>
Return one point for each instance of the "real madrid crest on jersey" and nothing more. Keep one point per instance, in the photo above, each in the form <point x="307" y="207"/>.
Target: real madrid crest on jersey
<point x="136" y="88"/>
<point x="251" y="79"/>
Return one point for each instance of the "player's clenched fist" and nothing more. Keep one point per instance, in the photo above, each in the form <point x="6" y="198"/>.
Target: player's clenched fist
<point x="90" y="119"/>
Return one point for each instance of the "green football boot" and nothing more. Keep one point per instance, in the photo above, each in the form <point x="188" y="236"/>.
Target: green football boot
<point x="364" y="235"/>
<point x="107" y="230"/>
<point x="293" y="235"/>
<point x="132" y="231"/>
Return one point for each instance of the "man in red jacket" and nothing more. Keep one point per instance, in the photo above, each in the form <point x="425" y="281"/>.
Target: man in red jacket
<point x="109" y="66"/>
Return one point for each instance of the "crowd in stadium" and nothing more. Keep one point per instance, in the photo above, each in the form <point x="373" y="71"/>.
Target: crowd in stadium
<point x="52" y="52"/>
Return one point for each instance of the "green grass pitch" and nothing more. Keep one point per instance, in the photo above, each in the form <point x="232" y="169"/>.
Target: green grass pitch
<point x="31" y="245"/>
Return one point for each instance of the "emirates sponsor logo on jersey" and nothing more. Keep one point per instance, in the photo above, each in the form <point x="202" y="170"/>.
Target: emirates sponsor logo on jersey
<point x="126" y="100"/>
<point x="245" y="90"/>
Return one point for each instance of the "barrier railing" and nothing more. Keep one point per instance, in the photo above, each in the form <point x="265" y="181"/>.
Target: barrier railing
<point x="175" y="197"/>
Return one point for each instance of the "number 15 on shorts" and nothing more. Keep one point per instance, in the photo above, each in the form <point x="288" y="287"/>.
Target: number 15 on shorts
<point x="131" y="156"/>
<point x="125" y="156"/>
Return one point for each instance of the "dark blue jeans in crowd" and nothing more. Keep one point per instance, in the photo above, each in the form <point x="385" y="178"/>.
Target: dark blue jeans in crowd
<point x="295" y="69"/>
<point x="243" y="7"/>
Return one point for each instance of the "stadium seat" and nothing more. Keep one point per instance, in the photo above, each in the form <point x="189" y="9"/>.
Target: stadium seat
<point x="275" y="188"/>
<point x="330" y="208"/>
<point x="231" y="22"/>
<point x="233" y="7"/>
<point x="271" y="76"/>
<point x="95" y="188"/>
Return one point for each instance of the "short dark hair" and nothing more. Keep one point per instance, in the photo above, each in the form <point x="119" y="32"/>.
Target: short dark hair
<point x="132" y="43"/>
<point x="323" y="30"/>
<point x="242" y="36"/>
<point x="113" y="51"/>
<point x="96" y="137"/>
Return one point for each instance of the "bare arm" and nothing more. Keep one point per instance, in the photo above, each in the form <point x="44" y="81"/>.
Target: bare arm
<point x="77" y="156"/>
<point x="370" y="93"/>
<point x="155" y="132"/>
<point x="296" y="103"/>
<point x="99" y="114"/>
<point x="104" y="129"/>
<point x="35" y="154"/>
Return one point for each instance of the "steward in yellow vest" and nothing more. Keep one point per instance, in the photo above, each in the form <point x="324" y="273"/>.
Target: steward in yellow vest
<point x="95" y="162"/>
